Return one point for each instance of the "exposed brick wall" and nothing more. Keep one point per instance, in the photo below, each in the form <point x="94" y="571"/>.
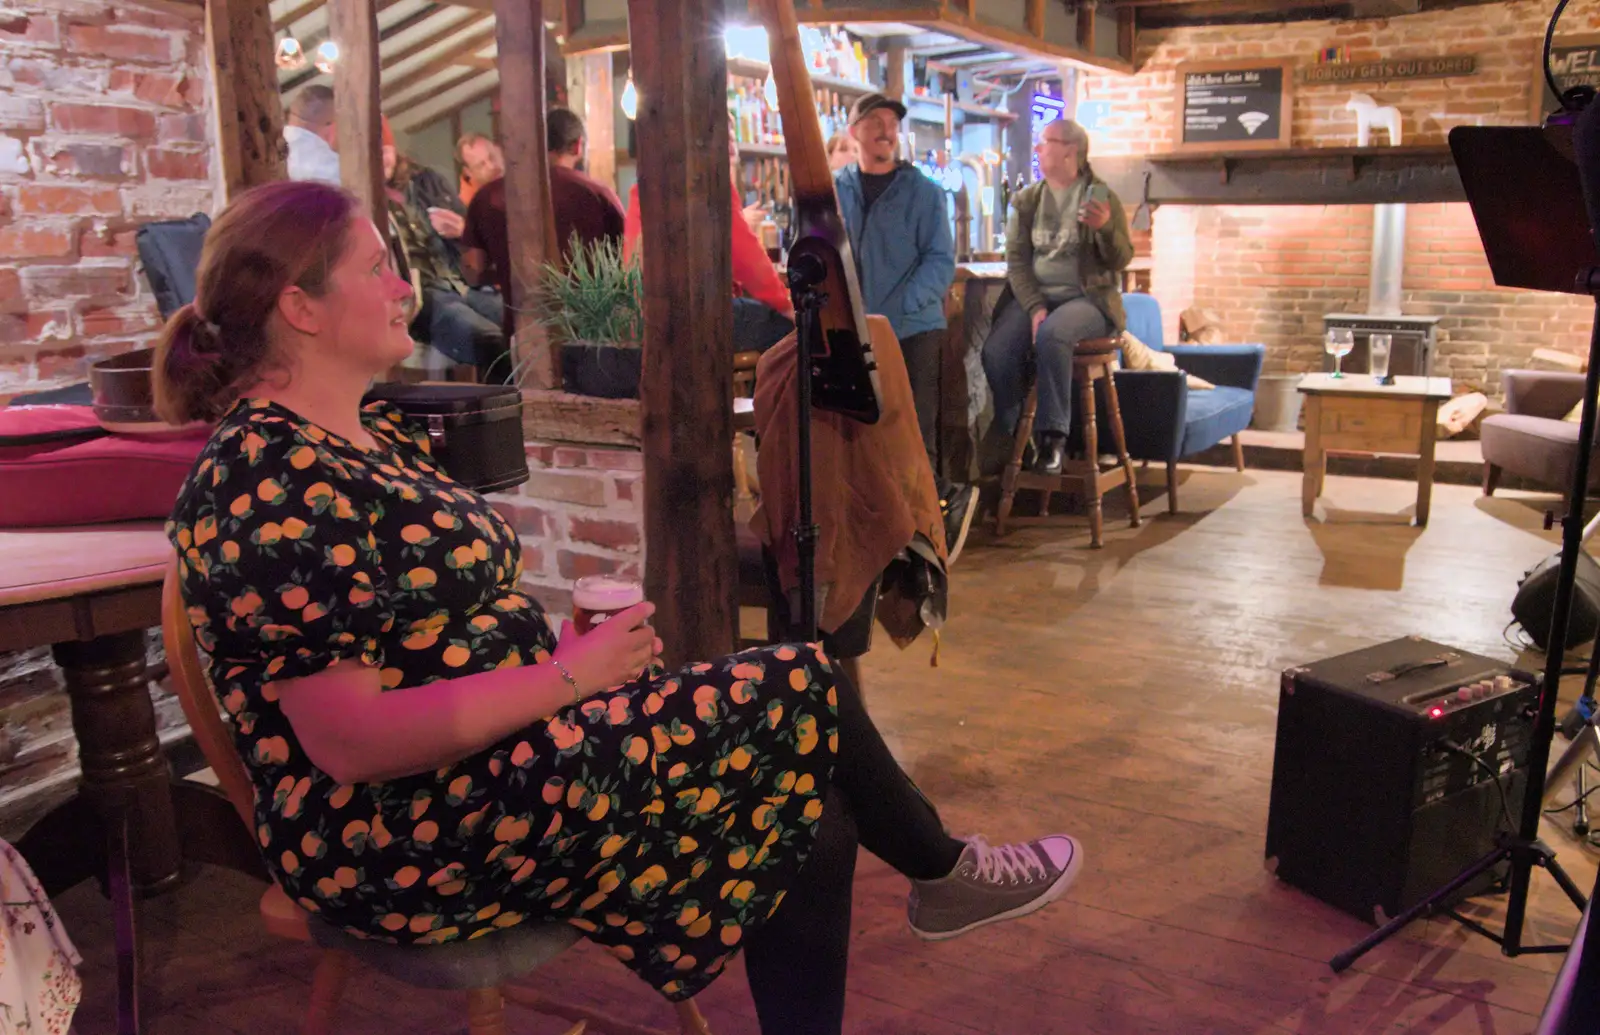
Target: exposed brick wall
<point x="580" y="513"/>
<point x="1273" y="271"/>
<point x="103" y="126"/>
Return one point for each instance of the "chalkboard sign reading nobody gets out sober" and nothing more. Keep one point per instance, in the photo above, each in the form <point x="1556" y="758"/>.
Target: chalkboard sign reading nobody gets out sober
<point x="1234" y="106"/>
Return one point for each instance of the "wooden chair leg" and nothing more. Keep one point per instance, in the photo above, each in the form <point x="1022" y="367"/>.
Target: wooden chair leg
<point x="1172" y="486"/>
<point x="1238" y="453"/>
<point x="1120" y="440"/>
<point x="689" y="1020"/>
<point x="1091" y="457"/>
<point x="327" y="988"/>
<point x="486" y="1012"/>
<point x="1491" y="478"/>
<point x="1019" y="447"/>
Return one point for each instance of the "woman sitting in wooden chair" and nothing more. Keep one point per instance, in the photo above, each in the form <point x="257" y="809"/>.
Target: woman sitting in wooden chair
<point x="431" y="762"/>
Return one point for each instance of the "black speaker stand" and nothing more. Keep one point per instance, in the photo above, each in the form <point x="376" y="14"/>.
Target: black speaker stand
<point x="1523" y="850"/>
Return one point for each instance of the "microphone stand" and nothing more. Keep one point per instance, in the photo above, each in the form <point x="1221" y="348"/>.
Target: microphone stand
<point x="1523" y="849"/>
<point x="806" y="273"/>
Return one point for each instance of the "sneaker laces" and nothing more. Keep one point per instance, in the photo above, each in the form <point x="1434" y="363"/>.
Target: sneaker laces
<point x="1012" y="864"/>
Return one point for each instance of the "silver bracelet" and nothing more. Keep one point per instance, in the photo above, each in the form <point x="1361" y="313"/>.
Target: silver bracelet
<point x="577" y="694"/>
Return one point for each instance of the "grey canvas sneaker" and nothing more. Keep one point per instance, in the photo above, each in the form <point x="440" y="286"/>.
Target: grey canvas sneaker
<point x="992" y="883"/>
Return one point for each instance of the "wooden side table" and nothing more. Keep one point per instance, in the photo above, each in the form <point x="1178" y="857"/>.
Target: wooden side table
<point x="90" y="593"/>
<point x="1355" y="414"/>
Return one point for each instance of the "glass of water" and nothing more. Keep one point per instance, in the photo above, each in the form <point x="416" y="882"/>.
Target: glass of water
<point x="1340" y="342"/>
<point x="1378" y="353"/>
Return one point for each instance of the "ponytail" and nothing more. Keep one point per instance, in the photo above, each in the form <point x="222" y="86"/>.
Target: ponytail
<point x="192" y="376"/>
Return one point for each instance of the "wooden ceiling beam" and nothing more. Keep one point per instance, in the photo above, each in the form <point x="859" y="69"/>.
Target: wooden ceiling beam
<point x="462" y="47"/>
<point x="440" y="86"/>
<point x="310" y="45"/>
<point x="489" y="89"/>
<point x="411" y="50"/>
<point x="1383" y="8"/>
<point x="296" y="13"/>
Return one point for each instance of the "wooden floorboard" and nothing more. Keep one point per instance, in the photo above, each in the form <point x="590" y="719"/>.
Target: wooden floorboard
<point x="1126" y="695"/>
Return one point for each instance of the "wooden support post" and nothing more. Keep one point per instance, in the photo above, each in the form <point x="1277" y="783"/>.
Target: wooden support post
<point x="250" y="140"/>
<point x="691" y="562"/>
<point x="894" y="70"/>
<point x="519" y="30"/>
<point x="1035" y="18"/>
<point x="1086" y="25"/>
<point x="1018" y="149"/>
<point x="1127" y="33"/>
<point x="353" y="25"/>
<point x="599" y="117"/>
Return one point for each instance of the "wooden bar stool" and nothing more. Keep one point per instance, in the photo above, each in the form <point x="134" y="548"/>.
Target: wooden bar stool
<point x="1091" y="364"/>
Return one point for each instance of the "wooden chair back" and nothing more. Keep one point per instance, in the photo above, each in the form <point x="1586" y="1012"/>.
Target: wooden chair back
<point x="189" y="682"/>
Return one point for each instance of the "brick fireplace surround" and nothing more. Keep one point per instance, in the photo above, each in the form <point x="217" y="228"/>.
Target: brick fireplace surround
<point x="1273" y="271"/>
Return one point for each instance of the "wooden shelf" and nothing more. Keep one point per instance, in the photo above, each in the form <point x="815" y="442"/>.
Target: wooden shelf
<point x="980" y="110"/>
<point x="1351" y="160"/>
<point x="748" y="68"/>
<point x="1415" y="174"/>
<point x="764" y="150"/>
<point x="1291" y="154"/>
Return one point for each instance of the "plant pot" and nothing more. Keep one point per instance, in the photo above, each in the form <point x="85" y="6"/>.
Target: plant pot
<point x="603" y="371"/>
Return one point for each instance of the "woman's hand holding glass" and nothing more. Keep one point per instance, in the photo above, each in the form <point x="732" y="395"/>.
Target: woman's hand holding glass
<point x="612" y="653"/>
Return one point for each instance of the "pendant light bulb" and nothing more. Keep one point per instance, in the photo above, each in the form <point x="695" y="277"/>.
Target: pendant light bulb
<point x="630" y="99"/>
<point x="290" y="57"/>
<point x="327" y="54"/>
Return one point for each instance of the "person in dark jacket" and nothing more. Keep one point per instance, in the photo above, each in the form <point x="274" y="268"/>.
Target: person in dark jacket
<point x="1066" y="246"/>
<point x="464" y="323"/>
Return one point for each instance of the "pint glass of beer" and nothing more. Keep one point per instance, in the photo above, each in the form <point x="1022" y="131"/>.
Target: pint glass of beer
<point x="597" y="597"/>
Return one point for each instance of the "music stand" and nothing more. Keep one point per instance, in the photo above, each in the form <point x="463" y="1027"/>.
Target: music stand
<point x="1527" y="200"/>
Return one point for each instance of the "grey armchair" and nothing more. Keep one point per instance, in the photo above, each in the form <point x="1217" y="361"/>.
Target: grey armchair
<point x="1530" y="439"/>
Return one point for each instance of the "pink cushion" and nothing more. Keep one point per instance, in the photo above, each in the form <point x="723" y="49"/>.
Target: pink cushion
<point x="111" y="478"/>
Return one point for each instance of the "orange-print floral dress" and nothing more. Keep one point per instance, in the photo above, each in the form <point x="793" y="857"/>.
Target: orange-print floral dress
<point x="665" y="818"/>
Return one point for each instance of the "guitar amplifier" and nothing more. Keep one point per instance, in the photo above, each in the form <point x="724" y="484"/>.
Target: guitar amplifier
<point x="1369" y="811"/>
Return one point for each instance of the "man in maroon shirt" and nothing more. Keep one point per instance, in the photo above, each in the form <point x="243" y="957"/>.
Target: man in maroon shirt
<point x="582" y="205"/>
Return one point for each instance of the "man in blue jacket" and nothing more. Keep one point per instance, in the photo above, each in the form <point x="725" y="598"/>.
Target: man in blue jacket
<point x="905" y="259"/>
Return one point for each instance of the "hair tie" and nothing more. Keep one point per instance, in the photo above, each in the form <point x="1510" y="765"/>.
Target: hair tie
<point x="206" y="335"/>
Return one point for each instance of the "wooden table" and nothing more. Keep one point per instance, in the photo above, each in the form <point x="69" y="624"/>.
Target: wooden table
<point x="1355" y="414"/>
<point x="90" y="593"/>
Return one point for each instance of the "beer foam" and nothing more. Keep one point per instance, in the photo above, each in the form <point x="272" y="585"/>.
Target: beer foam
<point x="605" y="593"/>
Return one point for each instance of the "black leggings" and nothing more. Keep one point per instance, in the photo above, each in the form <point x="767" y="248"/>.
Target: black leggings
<point x="796" y="962"/>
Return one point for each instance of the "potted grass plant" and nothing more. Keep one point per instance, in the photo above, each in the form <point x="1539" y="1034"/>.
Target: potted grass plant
<point x="593" y="309"/>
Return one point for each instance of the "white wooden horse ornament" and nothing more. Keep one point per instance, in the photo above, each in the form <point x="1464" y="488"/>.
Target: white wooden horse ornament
<point x="1368" y="115"/>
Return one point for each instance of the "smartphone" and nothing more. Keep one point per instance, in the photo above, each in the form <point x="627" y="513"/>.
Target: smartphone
<point x="1096" y="192"/>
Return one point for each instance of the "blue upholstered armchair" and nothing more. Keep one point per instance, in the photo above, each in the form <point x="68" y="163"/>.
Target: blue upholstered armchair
<point x="1166" y="421"/>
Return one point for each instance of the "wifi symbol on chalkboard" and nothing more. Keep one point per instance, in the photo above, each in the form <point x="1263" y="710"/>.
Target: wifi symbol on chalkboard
<point x="1253" y="120"/>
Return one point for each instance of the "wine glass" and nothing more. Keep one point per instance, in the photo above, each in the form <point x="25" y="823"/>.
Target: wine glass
<point x="1340" y="342"/>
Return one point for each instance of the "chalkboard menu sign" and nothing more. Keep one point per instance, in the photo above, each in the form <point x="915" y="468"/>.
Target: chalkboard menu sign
<point x="1575" y="60"/>
<point x="1234" y="105"/>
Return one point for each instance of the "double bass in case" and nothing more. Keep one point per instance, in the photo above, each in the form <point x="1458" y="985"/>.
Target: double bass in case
<point x="475" y="431"/>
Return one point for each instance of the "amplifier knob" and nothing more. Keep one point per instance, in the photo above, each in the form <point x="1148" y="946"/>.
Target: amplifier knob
<point x="1503" y="682"/>
<point x="1464" y="694"/>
